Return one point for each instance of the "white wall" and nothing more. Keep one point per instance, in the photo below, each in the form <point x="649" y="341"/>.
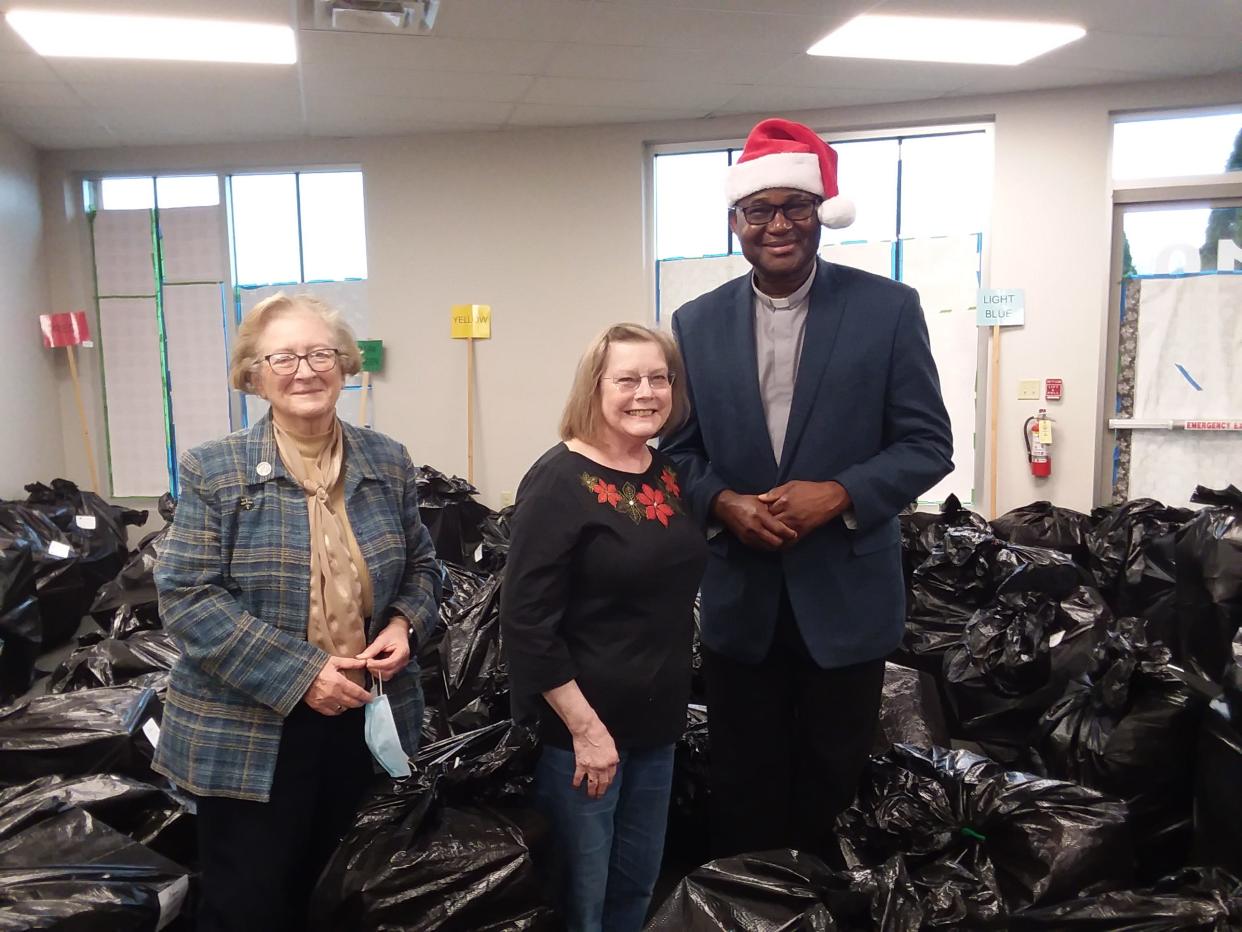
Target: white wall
<point x="31" y="440"/>
<point x="550" y="228"/>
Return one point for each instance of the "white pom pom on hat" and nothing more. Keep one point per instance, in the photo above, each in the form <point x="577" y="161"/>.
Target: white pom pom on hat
<point x="784" y="154"/>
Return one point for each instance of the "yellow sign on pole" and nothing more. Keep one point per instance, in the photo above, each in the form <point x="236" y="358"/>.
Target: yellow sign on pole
<point x="472" y="322"/>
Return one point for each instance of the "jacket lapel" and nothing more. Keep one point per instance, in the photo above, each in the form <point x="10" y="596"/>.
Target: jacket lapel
<point x="263" y="462"/>
<point x="823" y="321"/>
<point x="739" y="336"/>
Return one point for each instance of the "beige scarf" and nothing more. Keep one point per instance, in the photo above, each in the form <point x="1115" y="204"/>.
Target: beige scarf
<point x="335" y="622"/>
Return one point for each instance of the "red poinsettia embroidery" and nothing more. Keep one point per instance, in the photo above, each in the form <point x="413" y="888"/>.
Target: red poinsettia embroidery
<point x="669" y="478"/>
<point x="607" y="492"/>
<point x="657" y="508"/>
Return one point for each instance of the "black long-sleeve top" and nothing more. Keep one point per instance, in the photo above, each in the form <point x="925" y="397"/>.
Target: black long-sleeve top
<point x="599" y="588"/>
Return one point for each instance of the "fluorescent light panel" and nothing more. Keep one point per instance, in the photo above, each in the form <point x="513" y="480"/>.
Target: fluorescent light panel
<point x="940" y="39"/>
<point x="162" y="38"/>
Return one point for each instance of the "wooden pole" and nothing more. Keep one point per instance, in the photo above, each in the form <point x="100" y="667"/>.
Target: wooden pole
<point x="470" y="410"/>
<point x="86" y="433"/>
<point x="994" y="416"/>
<point x="362" y="405"/>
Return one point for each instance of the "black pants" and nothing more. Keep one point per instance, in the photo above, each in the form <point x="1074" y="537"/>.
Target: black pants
<point x="260" y="861"/>
<point x="788" y="743"/>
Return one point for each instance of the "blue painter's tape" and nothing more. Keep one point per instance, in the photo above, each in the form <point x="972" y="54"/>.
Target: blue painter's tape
<point x="1186" y="375"/>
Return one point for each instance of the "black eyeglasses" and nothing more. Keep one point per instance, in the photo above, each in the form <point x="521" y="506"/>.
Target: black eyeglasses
<point x="763" y="214"/>
<point x="320" y="360"/>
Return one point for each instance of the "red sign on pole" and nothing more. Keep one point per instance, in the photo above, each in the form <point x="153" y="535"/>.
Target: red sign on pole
<point x="67" y="329"/>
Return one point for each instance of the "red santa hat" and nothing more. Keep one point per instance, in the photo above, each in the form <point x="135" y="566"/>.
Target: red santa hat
<point x="783" y="154"/>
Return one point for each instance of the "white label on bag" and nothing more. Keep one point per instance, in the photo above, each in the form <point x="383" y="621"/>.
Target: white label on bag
<point x="152" y="731"/>
<point x="1056" y="638"/>
<point x="478" y="553"/>
<point x="172" y="899"/>
<point x="86" y="522"/>
<point x="58" y="549"/>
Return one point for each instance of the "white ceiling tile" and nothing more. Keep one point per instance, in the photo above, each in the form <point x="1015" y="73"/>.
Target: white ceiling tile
<point x="1144" y="17"/>
<point x="1029" y="77"/>
<point x="531" y="20"/>
<point x="403" y="110"/>
<point x="39" y="94"/>
<point x="652" y="63"/>
<point x="349" y="125"/>
<point x="569" y="115"/>
<point x="648" y="95"/>
<point x="24" y="66"/>
<point x="738" y="33"/>
<point x="778" y="99"/>
<point x="1154" y="55"/>
<point x="335" y="81"/>
<point x="817" y="71"/>
<point x="424" y="53"/>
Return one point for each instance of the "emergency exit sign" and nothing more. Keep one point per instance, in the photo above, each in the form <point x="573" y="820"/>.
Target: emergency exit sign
<point x="997" y="307"/>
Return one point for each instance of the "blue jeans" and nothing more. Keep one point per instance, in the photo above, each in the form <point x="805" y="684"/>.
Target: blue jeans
<point x="611" y="847"/>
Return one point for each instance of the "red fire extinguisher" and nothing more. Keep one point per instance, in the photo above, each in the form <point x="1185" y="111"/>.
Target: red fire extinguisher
<point x="1038" y="453"/>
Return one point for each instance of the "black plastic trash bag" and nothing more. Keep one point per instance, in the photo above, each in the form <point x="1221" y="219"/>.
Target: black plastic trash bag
<point x="464" y="676"/>
<point x="689" y="816"/>
<point x="981" y="841"/>
<point x="21" y="626"/>
<point x="775" y="891"/>
<point x="98" y="530"/>
<point x="1043" y="524"/>
<point x="92" y="731"/>
<point x="452" y="516"/>
<point x="159" y="818"/>
<point x="71" y="872"/>
<point x="145" y="658"/>
<point x="1015" y="658"/>
<point x="910" y="711"/>
<point x="61" y="588"/>
<point x="1209" y="582"/>
<point x="922" y="531"/>
<point x="1128" y="726"/>
<point x="964" y="573"/>
<point x="1218" y="801"/>
<point x="496" y="529"/>
<point x="1132" y="553"/>
<point x="1193" y="899"/>
<point x="129" y="602"/>
<point x="447" y="849"/>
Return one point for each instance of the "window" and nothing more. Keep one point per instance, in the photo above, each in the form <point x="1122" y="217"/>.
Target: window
<point x="176" y="265"/>
<point x="922" y="202"/>
<point x="298" y="227"/>
<point x="1177" y="145"/>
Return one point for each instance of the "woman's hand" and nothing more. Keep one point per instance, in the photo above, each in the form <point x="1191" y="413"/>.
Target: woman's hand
<point x="333" y="692"/>
<point x="389" y="653"/>
<point x="595" y="759"/>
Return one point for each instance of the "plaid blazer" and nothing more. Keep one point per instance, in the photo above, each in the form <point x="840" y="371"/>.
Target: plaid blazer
<point x="233" y="579"/>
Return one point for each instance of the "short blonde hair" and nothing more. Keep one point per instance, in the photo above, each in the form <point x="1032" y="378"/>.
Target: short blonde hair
<point x="246" y="344"/>
<point x="583" y="414"/>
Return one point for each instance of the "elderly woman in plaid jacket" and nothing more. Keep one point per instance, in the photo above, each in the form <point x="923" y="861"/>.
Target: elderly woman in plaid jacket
<point x="296" y="570"/>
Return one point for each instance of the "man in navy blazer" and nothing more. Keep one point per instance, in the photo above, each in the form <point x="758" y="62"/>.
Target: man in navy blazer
<point x="817" y="417"/>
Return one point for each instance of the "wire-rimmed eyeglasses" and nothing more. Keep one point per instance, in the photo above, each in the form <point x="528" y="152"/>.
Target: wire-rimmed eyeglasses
<point x="320" y="360"/>
<point x="763" y="214"/>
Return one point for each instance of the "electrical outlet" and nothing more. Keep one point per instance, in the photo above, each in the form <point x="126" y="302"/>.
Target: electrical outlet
<point x="1028" y="389"/>
<point x="506" y="499"/>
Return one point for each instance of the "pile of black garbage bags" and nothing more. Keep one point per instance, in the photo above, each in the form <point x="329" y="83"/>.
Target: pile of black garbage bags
<point x="1060" y="744"/>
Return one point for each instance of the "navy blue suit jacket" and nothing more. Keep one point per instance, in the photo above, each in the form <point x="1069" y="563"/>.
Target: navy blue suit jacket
<point x="866" y="412"/>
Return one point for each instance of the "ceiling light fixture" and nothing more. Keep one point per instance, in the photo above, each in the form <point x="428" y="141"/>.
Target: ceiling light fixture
<point x="941" y="39"/>
<point x="162" y="38"/>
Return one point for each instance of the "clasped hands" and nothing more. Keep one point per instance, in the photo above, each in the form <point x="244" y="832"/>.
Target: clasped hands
<point x="332" y="692"/>
<point x="779" y="518"/>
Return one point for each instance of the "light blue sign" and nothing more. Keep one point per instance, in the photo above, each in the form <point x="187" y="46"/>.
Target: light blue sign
<point x="1000" y="307"/>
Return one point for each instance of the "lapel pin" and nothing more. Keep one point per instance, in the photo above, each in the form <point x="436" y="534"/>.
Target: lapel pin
<point x="247" y="503"/>
<point x="264" y="469"/>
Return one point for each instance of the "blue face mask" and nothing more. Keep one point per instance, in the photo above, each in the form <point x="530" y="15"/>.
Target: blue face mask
<point x="381" y="735"/>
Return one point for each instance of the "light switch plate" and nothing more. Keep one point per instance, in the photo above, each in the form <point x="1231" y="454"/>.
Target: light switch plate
<point x="1028" y="389"/>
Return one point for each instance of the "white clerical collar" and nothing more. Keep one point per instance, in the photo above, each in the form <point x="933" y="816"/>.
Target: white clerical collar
<point x="791" y="300"/>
